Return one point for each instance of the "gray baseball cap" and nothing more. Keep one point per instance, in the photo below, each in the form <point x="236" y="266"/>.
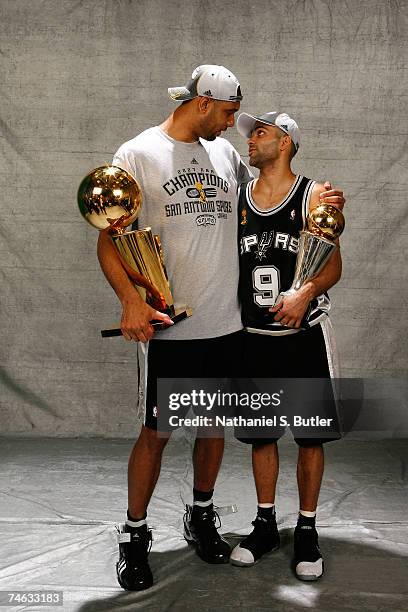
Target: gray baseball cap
<point x="246" y="123"/>
<point x="209" y="80"/>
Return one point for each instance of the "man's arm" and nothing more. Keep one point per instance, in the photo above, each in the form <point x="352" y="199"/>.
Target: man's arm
<point x="136" y="314"/>
<point x="244" y="174"/>
<point x="292" y="309"/>
<point x="295" y="306"/>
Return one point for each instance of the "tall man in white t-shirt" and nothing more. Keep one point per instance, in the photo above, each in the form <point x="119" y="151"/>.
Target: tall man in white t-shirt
<point x="189" y="178"/>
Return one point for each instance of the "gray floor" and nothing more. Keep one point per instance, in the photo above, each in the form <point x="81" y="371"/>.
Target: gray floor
<point x="60" y="500"/>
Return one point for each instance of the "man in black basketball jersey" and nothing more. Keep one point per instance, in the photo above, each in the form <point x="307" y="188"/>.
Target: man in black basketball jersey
<point x="289" y="339"/>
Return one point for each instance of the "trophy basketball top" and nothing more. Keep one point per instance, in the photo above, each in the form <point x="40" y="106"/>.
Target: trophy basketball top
<point x="109" y="197"/>
<point x="326" y="221"/>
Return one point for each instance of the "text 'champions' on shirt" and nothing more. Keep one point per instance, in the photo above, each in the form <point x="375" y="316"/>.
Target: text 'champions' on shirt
<point x="190" y="200"/>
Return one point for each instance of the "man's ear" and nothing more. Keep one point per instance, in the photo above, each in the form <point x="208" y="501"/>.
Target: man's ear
<point x="285" y="142"/>
<point x="204" y="104"/>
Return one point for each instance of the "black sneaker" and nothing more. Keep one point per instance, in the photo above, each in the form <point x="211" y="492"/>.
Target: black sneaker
<point x="264" y="538"/>
<point x="200" y="530"/>
<point x="308" y="560"/>
<point x="133" y="571"/>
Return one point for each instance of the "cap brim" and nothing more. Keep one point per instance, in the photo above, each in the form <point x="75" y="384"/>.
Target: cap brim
<point x="245" y="124"/>
<point x="179" y="94"/>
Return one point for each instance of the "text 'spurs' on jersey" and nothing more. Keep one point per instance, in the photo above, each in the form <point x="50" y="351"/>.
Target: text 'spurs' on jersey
<point x="268" y="244"/>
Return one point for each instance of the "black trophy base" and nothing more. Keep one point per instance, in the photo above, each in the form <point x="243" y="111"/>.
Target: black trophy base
<point x="180" y="315"/>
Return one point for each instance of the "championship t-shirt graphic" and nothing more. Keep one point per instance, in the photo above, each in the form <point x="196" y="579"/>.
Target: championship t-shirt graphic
<point x="200" y="193"/>
<point x="190" y="199"/>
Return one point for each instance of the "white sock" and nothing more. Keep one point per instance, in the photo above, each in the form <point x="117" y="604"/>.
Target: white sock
<point x="307" y="513"/>
<point x="266" y="505"/>
<point x="135" y="523"/>
<point x="203" y="504"/>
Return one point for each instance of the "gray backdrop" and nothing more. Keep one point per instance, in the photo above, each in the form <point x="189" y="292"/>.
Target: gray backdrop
<point x="80" y="77"/>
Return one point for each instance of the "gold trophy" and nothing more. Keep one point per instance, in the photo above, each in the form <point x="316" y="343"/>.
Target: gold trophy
<point x="325" y="224"/>
<point x="110" y="199"/>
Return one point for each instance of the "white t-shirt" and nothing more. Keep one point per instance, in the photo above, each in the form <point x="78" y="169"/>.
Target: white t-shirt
<point x="190" y="200"/>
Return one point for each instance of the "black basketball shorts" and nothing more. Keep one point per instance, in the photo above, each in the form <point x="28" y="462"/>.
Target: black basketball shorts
<point x="295" y="357"/>
<point x="220" y="357"/>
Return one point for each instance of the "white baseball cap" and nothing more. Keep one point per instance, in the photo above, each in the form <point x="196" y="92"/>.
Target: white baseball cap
<point x="209" y="80"/>
<point x="246" y="123"/>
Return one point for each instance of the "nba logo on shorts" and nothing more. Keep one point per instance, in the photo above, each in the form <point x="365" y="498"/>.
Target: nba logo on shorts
<point x="155" y="412"/>
<point x="292" y="214"/>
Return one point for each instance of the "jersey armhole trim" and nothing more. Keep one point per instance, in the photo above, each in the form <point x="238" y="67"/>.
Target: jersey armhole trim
<point x="306" y="201"/>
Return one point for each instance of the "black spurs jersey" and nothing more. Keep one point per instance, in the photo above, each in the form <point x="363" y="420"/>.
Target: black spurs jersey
<point x="269" y="243"/>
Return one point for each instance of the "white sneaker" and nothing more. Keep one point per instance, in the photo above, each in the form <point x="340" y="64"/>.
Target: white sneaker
<point x="309" y="564"/>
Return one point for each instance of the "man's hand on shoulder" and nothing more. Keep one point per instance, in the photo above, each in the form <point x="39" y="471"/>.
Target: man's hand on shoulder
<point x="324" y="194"/>
<point x="136" y="318"/>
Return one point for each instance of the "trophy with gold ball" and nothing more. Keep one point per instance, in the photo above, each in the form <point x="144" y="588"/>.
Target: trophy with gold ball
<point x="325" y="223"/>
<point x="110" y="199"/>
